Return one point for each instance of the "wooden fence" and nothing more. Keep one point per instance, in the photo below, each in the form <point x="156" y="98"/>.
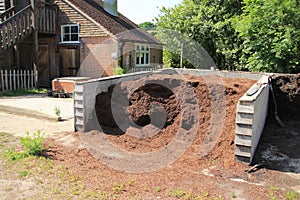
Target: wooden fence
<point x="146" y="68"/>
<point x="17" y="79"/>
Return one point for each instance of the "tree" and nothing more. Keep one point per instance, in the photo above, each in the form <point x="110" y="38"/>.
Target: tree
<point x="208" y="23"/>
<point x="147" y="26"/>
<point x="270" y="30"/>
<point x="255" y="35"/>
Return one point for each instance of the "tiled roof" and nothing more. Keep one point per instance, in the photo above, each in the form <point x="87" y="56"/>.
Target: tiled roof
<point x="120" y="26"/>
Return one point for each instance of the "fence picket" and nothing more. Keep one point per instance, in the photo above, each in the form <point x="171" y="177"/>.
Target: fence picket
<point x="28" y="79"/>
<point x="14" y="78"/>
<point x="6" y="81"/>
<point x="21" y="76"/>
<point x="17" y="79"/>
<point x="25" y="86"/>
<point x="10" y="80"/>
<point x="2" y="80"/>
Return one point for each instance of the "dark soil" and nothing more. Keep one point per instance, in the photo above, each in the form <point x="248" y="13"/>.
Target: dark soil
<point x="279" y="147"/>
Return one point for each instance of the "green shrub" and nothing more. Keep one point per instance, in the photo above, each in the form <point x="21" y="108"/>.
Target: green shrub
<point x="119" y="71"/>
<point x="33" y="145"/>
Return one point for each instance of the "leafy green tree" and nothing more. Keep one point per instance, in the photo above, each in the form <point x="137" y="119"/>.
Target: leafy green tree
<point x="270" y="30"/>
<point x="255" y="35"/>
<point x="208" y="23"/>
<point x="147" y="26"/>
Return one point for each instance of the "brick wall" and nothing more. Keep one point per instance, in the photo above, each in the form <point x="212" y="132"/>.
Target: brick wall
<point x="96" y="57"/>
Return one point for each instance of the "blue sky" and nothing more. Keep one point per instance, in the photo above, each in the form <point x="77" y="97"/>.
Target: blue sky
<point x="140" y="11"/>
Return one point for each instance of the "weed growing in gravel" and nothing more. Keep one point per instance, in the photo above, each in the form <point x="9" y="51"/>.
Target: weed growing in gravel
<point x="272" y="192"/>
<point x="178" y="193"/>
<point x="23" y="173"/>
<point x="12" y="155"/>
<point x="292" y="195"/>
<point x="33" y="144"/>
<point x="118" y="187"/>
<point x="57" y="111"/>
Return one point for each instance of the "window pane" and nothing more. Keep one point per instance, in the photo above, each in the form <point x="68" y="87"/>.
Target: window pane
<point x="147" y="58"/>
<point x="66" y="29"/>
<point x="137" y="58"/>
<point x="137" y="47"/>
<point x="74" y="37"/>
<point x="142" y="59"/>
<point x="74" y="29"/>
<point x="147" y="48"/>
<point x="143" y="48"/>
<point x="66" y="37"/>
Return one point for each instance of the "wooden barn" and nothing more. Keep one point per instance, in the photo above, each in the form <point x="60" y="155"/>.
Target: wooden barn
<point x="67" y="38"/>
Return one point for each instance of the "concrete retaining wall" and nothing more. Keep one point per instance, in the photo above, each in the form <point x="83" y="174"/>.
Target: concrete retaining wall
<point x="251" y="110"/>
<point x="250" y="120"/>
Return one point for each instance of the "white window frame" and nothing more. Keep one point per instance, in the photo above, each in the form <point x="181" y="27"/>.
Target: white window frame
<point x="70" y="33"/>
<point x="138" y="51"/>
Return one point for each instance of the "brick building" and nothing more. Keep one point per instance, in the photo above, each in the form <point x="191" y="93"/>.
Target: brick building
<point x="85" y="38"/>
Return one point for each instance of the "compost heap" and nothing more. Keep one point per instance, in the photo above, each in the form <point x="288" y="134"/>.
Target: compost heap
<point x="158" y="91"/>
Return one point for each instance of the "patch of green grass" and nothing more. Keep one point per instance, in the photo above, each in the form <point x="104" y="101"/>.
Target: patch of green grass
<point x="157" y="189"/>
<point x="21" y="92"/>
<point x="233" y="196"/>
<point x="291" y="195"/>
<point x="33" y="146"/>
<point x="13" y="155"/>
<point x="272" y="192"/>
<point x="178" y="193"/>
<point x="117" y="187"/>
<point x="5" y="138"/>
<point x="23" y="173"/>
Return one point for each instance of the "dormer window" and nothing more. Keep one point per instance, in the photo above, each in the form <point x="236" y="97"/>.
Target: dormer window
<point x="70" y="33"/>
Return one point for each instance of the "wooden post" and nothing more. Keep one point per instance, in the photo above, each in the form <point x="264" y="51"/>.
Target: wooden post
<point x="181" y="55"/>
<point x="35" y="40"/>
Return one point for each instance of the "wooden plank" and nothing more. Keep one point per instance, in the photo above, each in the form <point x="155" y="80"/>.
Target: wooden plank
<point x="18" y="79"/>
<point x="51" y="21"/>
<point x="4" y="38"/>
<point x="21" y="79"/>
<point x="47" y="21"/>
<point x="6" y="80"/>
<point x="32" y="78"/>
<point x="14" y="80"/>
<point x="24" y="79"/>
<point x="28" y="78"/>
<point x="2" y="80"/>
<point x="10" y="80"/>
